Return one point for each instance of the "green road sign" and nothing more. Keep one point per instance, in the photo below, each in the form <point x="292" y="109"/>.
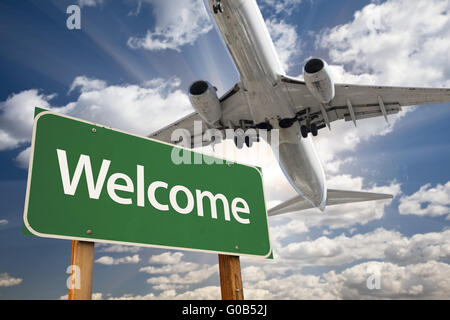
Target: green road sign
<point x="90" y="182"/>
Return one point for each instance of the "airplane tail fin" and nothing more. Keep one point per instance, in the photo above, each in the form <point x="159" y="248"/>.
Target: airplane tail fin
<point x="334" y="197"/>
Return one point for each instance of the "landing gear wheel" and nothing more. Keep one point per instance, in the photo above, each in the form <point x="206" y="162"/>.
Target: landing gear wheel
<point x="304" y="131"/>
<point x="239" y="142"/>
<point x="314" y="129"/>
<point x="248" y="141"/>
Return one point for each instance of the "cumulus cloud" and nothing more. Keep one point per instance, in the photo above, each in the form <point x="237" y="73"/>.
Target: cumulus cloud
<point x="166" y="258"/>
<point x="23" y="158"/>
<point x="285" y="40"/>
<point x="178" y="23"/>
<point x="347" y="215"/>
<point x="87" y="84"/>
<point x="8" y="281"/>
<point x="110" y="261"/>
<point x="191" y="277"/>
<point x="117" y="248"/>
<point x="398" y="43"/>
<point x="90" y="3"/>
<point x="282" y="6"/>
<point x="16" y="117"/>
<point x="384" y="44"/>
<point x="178" y="274"/>
<point x="287" y="228"/>
<point x="94" y="296"/>
<point x="382" y="244"/>
<point x="171" y="268"/>
<point x="428" y="201"/>
<point x="204" y="293"/>
<point x="139" y="109"/>
<point x="416" y="281"/>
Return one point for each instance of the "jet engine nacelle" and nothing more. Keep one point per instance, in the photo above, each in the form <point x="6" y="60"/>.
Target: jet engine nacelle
<point x="318" y="80"/>
<point x="204" y="99"/>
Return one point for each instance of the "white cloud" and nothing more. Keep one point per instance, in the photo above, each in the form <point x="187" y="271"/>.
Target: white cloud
<point x="7" y="281"/>
<point x="23" y="158"/>
<point x="393" y="43"/>
<point x="3" y="222"/>
<point x="387" y="245"/>
<point x="285" y="39"/>
<point x="179" y="273"/>
<point x="117" y="248"/>
<point x="348" y="215"/>
<point x="253" y="274"/>
<point x="287" y="228"/>
<point x="416" y="281"/>
<point x="109" y="261"/>
<point x="137" y="109"/>
<point x="427" y="201"/>
<point x="345" y="137"/>
<point x="94" y="296"/>
<point x="97" y="296"/>
<point x="87" y="84"/>
<point x="178" y="23"/>
<point x="16" y="117"/>
<point x="166" y="258"/>
<point x="90" y="3"/>
<point x="420" y="281"/>
<point x="204" y="293"/>
<point x="178" y="267"/>
<point x="420" y="248"/>
<point x="282" y="6"/>
<point x="191" y="277"/>
<point x="398" y="43"/>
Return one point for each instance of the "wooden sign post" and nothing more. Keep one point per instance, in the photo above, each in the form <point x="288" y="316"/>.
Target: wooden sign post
<point x="82" y="262"/>
<point x="230" y="277"/>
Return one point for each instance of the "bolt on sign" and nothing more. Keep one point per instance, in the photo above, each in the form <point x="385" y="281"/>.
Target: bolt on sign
<point x="93" y="183"/>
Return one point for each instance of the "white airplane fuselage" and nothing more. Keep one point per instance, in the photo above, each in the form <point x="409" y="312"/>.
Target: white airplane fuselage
<point x="246" y="36"/>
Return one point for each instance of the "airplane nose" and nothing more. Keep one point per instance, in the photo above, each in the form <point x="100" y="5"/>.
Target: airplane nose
<point x="304" y="171"/>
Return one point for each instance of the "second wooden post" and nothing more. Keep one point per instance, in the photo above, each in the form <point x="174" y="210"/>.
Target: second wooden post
<point x="230" y="277"/>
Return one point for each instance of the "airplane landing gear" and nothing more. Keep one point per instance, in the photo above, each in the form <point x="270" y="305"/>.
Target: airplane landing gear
<point x="247" y="139"/>
<point x="305" y="130"/>
<point x="314" y="129"/>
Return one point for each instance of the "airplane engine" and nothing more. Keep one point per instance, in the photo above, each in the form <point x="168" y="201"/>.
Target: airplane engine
<point x="204" y="99"/>
<point x="318" y="80"/>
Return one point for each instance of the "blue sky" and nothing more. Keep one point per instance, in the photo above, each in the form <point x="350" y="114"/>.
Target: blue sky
<point x="140" y="88"/>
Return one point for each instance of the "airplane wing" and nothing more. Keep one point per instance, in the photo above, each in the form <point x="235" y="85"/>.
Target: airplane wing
<point x="355" y="102"/>
<point x="234" y="107"/>
<point x="187" y="122"/>
<point x="334" y="197"/>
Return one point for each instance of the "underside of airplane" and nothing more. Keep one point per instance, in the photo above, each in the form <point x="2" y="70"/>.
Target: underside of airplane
<point x="266" y="98"/>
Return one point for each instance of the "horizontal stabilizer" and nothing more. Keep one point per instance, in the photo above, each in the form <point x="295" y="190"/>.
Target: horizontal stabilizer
<point x="334" y="197"/>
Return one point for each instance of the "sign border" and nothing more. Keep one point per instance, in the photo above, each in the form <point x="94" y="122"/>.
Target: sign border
<point x="92" y="239"/>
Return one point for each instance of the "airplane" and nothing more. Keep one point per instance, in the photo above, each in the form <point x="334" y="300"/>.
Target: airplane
<point x="267" y="98"/>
